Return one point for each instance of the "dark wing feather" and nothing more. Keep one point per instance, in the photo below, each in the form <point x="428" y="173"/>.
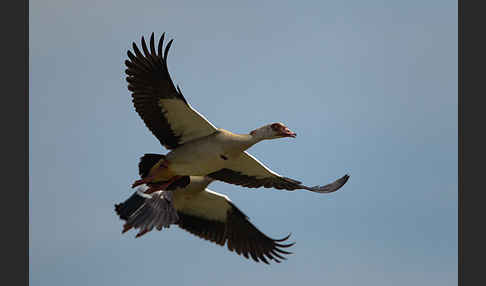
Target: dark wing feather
<point x="238" y="178"/>
<point x="206" y="214"/>
<point x="144" y="212"/>
<point x="147" y="161"/>
<point x="239" y="233"/>
<point x="159" y="103"/>
<point x="248" y="172"/>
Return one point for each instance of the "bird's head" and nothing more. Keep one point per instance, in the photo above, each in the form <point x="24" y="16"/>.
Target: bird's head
<point x="273" y="131"/>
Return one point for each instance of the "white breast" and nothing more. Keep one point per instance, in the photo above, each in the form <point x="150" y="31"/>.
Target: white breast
<point x="205" y="155"/>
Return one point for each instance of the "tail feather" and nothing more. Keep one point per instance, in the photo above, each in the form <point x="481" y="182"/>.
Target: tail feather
<point x="146" y="211"/>
<point x="147" y="161"/>
<point x="127" y="208"/>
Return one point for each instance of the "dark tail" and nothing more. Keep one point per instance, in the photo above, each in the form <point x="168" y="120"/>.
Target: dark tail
<point x="146" y="163"/>
<point x="146" y="213"/>
<point x="127" y="208"/>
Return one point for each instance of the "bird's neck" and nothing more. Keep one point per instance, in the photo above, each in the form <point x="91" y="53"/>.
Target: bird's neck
<point x="248" y="140"/>
<point x="259" y="134"/>
<point x="240" y="142"/>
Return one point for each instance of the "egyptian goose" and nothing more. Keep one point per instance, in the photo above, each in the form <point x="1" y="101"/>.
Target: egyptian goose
<point x="197" y="147"/>
<point x="204" y="213"/>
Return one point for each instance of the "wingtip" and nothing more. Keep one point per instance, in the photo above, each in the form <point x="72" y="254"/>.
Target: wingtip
<point x="345" y="178"/>
<point x="283" y="239"/>
<point x="341" y="182"/>
<point x="332" y="187"/>
<point x="166" y="51"/>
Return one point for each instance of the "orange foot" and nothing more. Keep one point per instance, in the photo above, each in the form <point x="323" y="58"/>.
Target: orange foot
<point x="142" y="232"/>
<point x="126" y="227"/>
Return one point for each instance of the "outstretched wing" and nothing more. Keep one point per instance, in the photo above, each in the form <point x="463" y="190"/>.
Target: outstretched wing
<point x="159" y="103"/>
<point x="204" y="213"/>
<point x="214" y="217"/>
<point x="248" y="172"/>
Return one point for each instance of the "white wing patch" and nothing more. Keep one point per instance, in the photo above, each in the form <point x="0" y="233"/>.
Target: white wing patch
<point x="248" y="165"/>
<point x="205" y="204"/>
<point x="185" y="121"/>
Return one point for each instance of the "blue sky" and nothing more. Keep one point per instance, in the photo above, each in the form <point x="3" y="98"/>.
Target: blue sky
<point x="370" y="87"/>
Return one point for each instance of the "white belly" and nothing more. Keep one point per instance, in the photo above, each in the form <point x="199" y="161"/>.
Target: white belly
<point x="197" y="158"/>
<point x="206" y="155"/>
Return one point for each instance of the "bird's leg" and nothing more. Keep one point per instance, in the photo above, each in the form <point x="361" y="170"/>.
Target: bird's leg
<point x="162" y="186"/>
<point x="148" y="179"/>
<point x="142" y="232"/>
<point x="126" y="227"/>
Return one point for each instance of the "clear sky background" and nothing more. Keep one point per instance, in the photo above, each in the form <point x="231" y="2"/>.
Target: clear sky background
<point x="370" y="87"/>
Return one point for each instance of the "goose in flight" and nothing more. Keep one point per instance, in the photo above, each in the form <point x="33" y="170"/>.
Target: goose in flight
<point x="197" y="147"/>
<point x="204" y="213"/>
